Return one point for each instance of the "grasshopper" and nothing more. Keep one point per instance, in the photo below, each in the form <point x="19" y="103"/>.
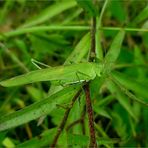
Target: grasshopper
<point x="68" y="74"/>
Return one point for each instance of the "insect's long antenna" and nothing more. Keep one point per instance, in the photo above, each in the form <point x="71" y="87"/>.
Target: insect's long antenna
<point x="37" y="63"/>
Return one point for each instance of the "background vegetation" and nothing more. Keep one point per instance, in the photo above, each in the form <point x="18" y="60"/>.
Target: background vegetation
<point x="56" y="33"/>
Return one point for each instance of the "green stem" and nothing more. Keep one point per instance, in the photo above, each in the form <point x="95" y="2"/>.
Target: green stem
<point x="55" y="28"/>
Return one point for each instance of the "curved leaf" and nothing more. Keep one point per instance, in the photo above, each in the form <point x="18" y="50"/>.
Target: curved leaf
<point x="131" y="84"/>
<point x="50" y="12"/>
<point x="36" y="110"/>
<point x="115" y="48"/>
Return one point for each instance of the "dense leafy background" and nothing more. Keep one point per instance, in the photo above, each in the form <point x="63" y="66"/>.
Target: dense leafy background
<point x="55" y="33"/>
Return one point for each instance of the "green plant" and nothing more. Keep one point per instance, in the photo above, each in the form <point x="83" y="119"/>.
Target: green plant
<point x="114" y="82"/>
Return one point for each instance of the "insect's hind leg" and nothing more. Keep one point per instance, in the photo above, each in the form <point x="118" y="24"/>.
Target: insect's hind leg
<point x="78" y="73"/>
<point x="77" y="79"/>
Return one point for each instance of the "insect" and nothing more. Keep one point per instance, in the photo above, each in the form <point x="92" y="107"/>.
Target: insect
<point x="69" y="74"/>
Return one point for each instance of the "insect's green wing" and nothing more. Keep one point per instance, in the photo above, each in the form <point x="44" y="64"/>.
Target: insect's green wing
<point x="64" y="74"/>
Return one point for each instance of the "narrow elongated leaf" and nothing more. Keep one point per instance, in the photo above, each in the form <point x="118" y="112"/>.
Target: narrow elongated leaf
<point x="35" y="29"/>
<point x="50" y="12"/>
<point x="123" y="100"/>
<point x="115" y="48"/>
<point x="35" y="93"/>
<point x="120" y="125"/>
<point x="102" y="112"/>
<point x="36" y="142"/>
<point x="80" y="50"/>
<point x="139" y="59"/>
<point x="143" y="15"/>
<point x="36" y="110"/>
<point x="88" y="6"/>
<point x="5" y="9"/>
<point x="132" y="84"/>
<point x="107" y="141"/>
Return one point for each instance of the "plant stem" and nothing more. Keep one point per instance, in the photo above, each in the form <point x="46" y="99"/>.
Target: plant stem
<point x="20" y="31"/>
<point x="86" y="87"/>
<point x="90" y="117"/>
<point x="93" y="43"/>
<point x="63" y="122"/>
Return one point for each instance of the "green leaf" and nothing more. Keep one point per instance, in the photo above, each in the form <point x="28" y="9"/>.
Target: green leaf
<point x="139" y="59"/>
<point x="2" y="136"/>
<point x="41" y="43"/>
<point x="119" y="123"/>
<point x="122" y="99"/>
<point x="35" y="93"/>
<point x="75" y="139"/>
<point x="6" y="9"/>
<point x="39" y="141"/>
<point x="115" y="48"/>
<point x="35" y="29"/>
<point x="145" y="122"/>
<point x="103" y="102"/>
<point x="102" y="112"/>
<point x="132" y="84"/>
<point x="80" y="50"/>
<point x="7" y="142"/>
<point x="106" y="141"/>
<point x="143" y="15"/>
<point x="145" y="25"/>
<point x="117" y="10"/>
<point x="88" y="6"/>
<point x="36" y="110"/>
<point x="50" y="12"/>
<point x="21" y="45"/>
<point x="14" y="58"/>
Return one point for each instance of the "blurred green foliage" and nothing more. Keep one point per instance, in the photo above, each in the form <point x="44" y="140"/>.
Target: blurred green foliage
<point x="55" y="33"/>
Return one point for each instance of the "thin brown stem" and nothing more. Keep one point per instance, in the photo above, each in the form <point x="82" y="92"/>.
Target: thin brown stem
<point x="63" y="122"/>
<point x="93" y="42"/>
<point x="90" y="117"/>
<point x="86" y="87"/>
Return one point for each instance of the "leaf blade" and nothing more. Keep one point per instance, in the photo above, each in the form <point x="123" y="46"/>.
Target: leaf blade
<point x="141" y="16"/>
<point x="50" y="12"/>
<point x="36" y="110"/>
<point x="121" y="98"/>
<point x="88" y="6"/>
<point x="115" y="48"/>
<point x="131" y="84"/>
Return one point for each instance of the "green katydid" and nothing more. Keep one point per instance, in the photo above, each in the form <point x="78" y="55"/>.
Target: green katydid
<point x="69" y="74"/>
